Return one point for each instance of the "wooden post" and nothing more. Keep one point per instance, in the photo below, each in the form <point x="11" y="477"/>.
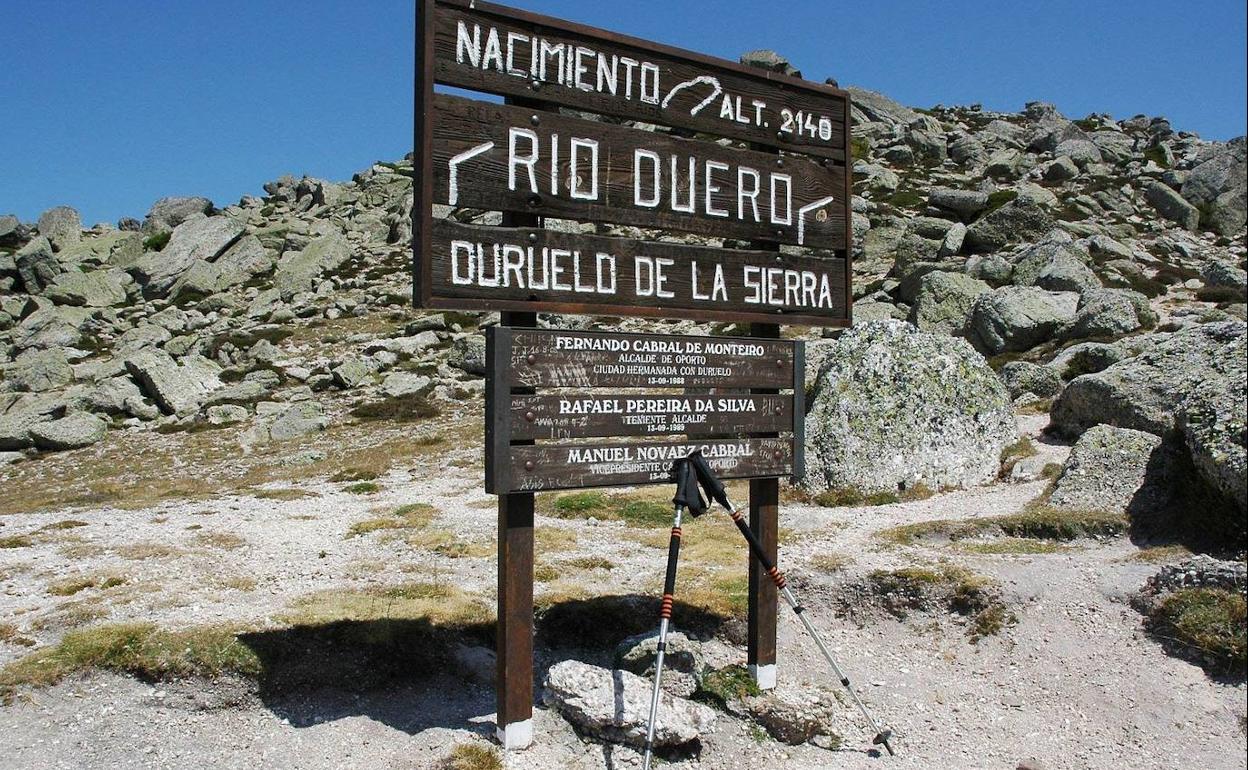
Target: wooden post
<point x="763" y="598"/>
<point x="513" y="684"/>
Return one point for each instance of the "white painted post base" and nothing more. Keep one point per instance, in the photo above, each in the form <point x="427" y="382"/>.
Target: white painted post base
<point x="764" y="676"/>
<point x="515" y="736"/>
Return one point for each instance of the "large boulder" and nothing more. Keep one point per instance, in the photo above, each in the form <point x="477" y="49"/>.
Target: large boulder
<point x="298" y="420"/>
<point x="1172" y="206"/>
<point x="299" y="271"/>
<point x="1017" y="318"/>
<point x="615" y="706"/>
<point x="51" y="326"/>
<point x="1110" y="313"/>
<point x="73" y="431"/>
<point x="894" y="407"/>
<point x="965" y="204"/>
<point x="1106" y="471"/>
<point x="1212" y="421"/>
<point x="177" y="388"/>
<point x="37" y="266"/>
<point x="61" y="226"/>
<point x="1217" y="187"/>
<point x="243" y="261"/>
<point x="96" y="288"/>
<point x="944" y="300"/>
<point x="198" y="238"/>
<point x="1144" y="392"/>
<point x="39" y="371"/>
<point x="1022" y="219"/>
<point x="168" y="213"/>
<point x="1025" y="377"/>
<point x="1055" y="264"/>
<point x="683" y="662"/>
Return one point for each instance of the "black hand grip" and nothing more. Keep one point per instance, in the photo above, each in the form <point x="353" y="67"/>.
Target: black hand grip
<point x="713" y="486"/>
<point x="687" y="494"/>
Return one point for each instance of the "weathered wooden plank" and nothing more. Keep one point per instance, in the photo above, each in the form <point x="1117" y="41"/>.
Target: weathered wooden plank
<point x="575" y="466"/>
<point x="477" y="266"/>
<point x="568" y="359"/>
<point x="573" y="415"/>
<point x="506" y="158"/>
<point x="485" y="47"/>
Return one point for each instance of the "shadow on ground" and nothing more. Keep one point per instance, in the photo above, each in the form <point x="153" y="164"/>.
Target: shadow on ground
<point x="404" y="673"/>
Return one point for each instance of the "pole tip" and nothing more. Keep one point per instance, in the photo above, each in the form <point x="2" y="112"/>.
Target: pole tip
<point x="882" y="740"/>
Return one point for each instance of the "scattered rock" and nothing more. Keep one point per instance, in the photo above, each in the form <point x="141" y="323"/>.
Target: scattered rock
<point x="1106" y="470"/>
<point x="1172" y="206"/>
<point x="73" y="431"/>
<point x="61" y="226"/>
<point x="615" y="706"/>
<point x="298" y="420"/>
<point x="167" y="213"/>
<point x="39" y="371"/>
<point x="177" y="388"/>
<point x="300" y="270"/>
<point x="682" y="663"/>
<point x="1145" y="392"/>
<point x="1110" y="313"/>
<point x="468" y="354"/>
<point x="1025" y="377"/>
<point x="1016" y="318"/>
<point x="944" y="300"/>
<point x="198" y="238"/>
<point x="1022" y="219"/>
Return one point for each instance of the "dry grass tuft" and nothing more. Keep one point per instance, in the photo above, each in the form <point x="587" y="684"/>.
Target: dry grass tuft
<point x="226" y="541"/>
<point x="413" y="516"/>
<point x="472" y="756"/>
<point x="74" y="585"/>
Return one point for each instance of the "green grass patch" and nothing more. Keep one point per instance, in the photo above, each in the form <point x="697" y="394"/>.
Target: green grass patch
<point x="16" y="541"/>
<point x="71" y="586"/>
<point x="1010" y="455"/>
<point x="1038" y="522"/>
<point x="947" y="587"/>
<point x="157" y="242"/>
<point x="906" y="199"/>
<point x="999" y="198"/>
<point x="1205" y="623"/>
<point x="1220" y="294"/>
<point x="849" y="497"/>
<point x="635" y="509"/>
<point x="1157" y="155"/>
<point x="727" y="685"/>
<point x="413" y="516"/>
<point x="411" y="408"/>
<point x="62" y="525"/>
<point x="1010" y="546"/>
<point x="139" y="649"/>
<point x="353" y="474"/>
<point x="362" y="488"/>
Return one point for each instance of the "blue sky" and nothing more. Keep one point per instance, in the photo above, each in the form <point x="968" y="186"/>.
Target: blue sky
<point x="108" y="105"/>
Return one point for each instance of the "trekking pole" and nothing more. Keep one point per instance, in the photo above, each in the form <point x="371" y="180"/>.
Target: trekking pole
<point x="687" y="497"/>
<point x="716" y="491"/>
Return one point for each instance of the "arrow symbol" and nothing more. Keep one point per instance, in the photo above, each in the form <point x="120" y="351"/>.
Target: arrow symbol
<point x="801" y="217"/>
<point x="453" y="195"/>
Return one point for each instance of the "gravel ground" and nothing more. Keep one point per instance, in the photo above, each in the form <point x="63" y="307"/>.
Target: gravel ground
<point x="1074" y="684"/>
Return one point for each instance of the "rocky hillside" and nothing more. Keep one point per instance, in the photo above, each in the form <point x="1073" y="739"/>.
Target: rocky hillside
<point x="1096" y="265"/>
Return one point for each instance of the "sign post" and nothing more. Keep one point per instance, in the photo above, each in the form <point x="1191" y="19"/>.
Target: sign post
<point x="755" y="229"/>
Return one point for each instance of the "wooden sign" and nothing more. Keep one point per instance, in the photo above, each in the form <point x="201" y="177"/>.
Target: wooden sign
<point x="534" y="358"/>
<point x="527" y="160"/>
<point x="577" y="466"/>
<point x="486" y="47"/>
<point x="576" y="415"/>
<point x="507" y="158"/>
<point x="504" y="268"/>
<point x="693" y="387"/>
